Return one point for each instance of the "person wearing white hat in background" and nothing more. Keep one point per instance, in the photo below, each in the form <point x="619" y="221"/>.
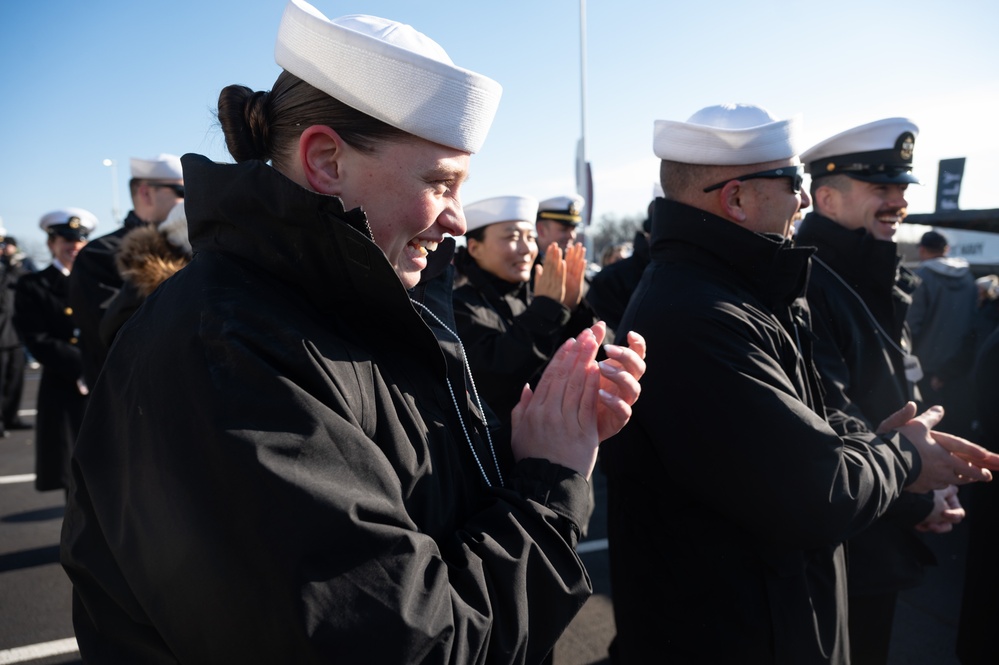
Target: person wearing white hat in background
<point x="288" y="420"/>
<point x="509" y="328"/>
<point x="43" y="320"/>
<point x="156" y="186"/>
<point x="729" y="494"/>
<point x="858" y="294"/>
<point x="148" y="257"/>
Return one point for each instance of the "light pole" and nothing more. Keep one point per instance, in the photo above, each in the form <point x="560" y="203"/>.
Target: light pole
<point x="584" y="174"/>
<point x="114" y="189"/>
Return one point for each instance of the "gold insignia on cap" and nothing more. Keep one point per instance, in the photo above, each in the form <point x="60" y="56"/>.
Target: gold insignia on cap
<point x="831" y="166"/>
<point x="73" y="222"/>
<point x="574" y="208"/>
<point x="908" y="143"/>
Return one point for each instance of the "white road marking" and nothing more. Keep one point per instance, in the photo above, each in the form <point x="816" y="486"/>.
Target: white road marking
<point x="39" y="651"/>
<point x="23" y="478"/>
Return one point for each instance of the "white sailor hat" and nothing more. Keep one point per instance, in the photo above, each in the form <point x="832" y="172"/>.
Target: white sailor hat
<point x="565" y="209"/>
<point x="389" y="71"/>
<point x="879" y="152"/>
<point x="69" y="223"/>
<point x="727" y="135"/>
<point x="161" y="167"/>
<point x="500" y="209"/>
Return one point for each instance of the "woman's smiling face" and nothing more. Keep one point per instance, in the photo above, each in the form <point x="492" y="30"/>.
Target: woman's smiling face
<point x="409" y="191"/>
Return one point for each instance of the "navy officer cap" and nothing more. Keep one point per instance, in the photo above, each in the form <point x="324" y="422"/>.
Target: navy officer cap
<point x="878" y="152"/>
<point x="69" y="223"/>
<point x="567" y="210"/>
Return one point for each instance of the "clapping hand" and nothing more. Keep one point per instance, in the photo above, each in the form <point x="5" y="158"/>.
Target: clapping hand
<point x="578" y="403"/>
<point x="946" y="459"/>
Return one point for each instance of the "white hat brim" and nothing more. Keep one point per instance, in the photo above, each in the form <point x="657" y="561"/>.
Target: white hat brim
<point x="428" y="98"/>
<point x="690" y="143"/>
<point x="500" y="209"/>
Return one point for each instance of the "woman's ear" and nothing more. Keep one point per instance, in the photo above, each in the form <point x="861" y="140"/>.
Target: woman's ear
<point x="474" y="247"/>
<point x="322" y="153"/>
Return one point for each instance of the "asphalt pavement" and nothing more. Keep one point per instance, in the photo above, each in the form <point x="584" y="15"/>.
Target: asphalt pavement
<point x="35" y="617"/>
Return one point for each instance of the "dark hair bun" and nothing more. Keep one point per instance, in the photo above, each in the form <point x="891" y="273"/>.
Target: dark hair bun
<point x="243" y="115"/>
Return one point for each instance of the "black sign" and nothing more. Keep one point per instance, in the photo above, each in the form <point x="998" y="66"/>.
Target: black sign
<point x="949" y="183"/>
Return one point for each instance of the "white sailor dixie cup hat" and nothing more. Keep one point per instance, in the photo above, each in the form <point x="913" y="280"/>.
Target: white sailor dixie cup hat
<point x="727" y="135"/>
<point x="878" y="152"/>
<point x="161" y="167"/>
<point x="69" y="223"/>
<point x="500" y="209"/>
<point x="389" y="71"/>
<point x="565" y="209"/>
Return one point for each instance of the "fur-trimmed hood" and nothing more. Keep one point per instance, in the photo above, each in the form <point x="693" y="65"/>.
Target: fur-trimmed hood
<point x="147" y="258"/>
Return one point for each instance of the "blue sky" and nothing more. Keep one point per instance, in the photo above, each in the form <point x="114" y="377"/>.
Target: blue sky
<point x="113" y="79"/>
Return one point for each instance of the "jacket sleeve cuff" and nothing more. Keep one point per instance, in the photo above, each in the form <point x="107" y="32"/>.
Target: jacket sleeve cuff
<point x="550" y="314"/>
<point x="560" y="489"/>
<point x="911" y="509"/>
<point x="909" y="453"/>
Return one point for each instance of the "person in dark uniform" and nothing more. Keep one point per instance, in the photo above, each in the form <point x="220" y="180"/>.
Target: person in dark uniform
<point x="729" y="494"/>
<point x="558" y="221"/>
<point x="156" y="186"/>
<point x="44" y="322"/>
<point x="285" y="459"/>
<point x="510" y="330"/>
<point x="13" y="360"/>
<point x="858" y="294"/>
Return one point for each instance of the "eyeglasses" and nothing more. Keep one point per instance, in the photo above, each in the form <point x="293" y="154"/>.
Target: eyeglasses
<point x="178" y="190"/>
<point x="795" y="173"/>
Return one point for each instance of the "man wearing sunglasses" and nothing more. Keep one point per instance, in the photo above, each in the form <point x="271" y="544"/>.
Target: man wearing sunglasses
<point x="729" y="492"/>
<point x="859" y="294"/>
<point x="156" y="186"/>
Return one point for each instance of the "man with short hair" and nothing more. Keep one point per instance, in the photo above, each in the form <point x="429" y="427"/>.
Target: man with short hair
<point x="156" y="186"/>
<point x="858" y="294"/>
<point x="942" y="322"/>
<point x="729" y="494"/>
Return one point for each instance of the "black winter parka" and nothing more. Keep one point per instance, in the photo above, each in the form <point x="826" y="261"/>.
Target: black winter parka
<point x="863" y="374"/>
<point x="273" y="468"/>
<point x="729" y="493"/>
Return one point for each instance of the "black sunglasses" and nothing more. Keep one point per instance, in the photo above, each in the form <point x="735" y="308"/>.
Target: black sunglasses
<point x="178" y="190"/>
<point x="795" y="173"/>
